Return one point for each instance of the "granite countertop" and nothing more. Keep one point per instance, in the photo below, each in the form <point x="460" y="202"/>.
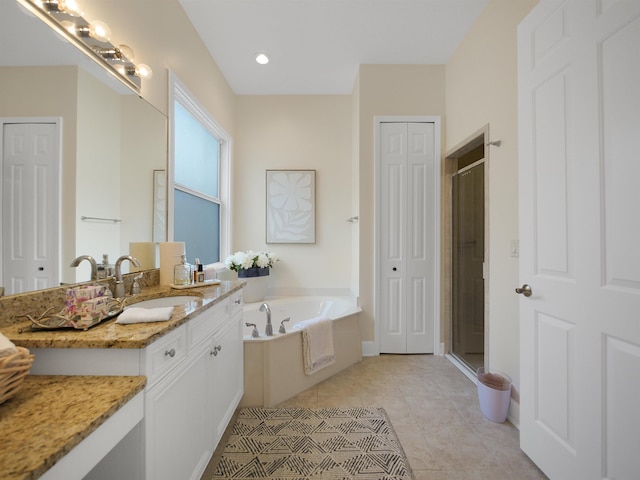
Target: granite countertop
<point x="52" y="414"/>
<point x="109" y="334"/>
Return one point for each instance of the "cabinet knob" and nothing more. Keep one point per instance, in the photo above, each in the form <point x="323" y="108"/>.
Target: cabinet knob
<point x="215" y="350"/>
<point x="237" y="302"/>
<point x="171" y="353"/>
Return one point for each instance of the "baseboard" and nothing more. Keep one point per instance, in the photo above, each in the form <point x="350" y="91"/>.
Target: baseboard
<point x="370" y="349"/>
<point x="514" y="413"/>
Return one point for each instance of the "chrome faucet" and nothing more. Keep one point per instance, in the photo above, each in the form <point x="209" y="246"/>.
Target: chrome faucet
<point x="118" y="291"/>
<point x="268" y="330"/>
<point x="91" y="260"/>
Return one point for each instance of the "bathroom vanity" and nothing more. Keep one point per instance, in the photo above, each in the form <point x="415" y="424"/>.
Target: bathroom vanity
<point x="193" y="366"/>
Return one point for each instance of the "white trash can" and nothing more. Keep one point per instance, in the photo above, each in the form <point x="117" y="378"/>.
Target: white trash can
<point x="494" y="393"/>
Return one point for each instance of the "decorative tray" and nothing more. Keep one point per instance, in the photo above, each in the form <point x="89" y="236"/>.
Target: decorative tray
<point x="206" y="283"/>
<point x="63" y="319"/>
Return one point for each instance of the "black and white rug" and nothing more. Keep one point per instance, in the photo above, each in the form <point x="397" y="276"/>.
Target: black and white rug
<point x="301" y="443"/>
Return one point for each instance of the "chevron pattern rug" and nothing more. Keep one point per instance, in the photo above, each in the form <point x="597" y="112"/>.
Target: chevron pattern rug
<point x="302" y="443"/>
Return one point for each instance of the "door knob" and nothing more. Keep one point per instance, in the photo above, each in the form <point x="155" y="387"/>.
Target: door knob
<point x="524" y="290"/>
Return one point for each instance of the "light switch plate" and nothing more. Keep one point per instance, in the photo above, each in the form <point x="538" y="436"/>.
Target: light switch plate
<point x="515" y="248"/>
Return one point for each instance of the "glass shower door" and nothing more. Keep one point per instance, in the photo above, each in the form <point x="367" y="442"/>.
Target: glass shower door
<point x="468" y="259"/>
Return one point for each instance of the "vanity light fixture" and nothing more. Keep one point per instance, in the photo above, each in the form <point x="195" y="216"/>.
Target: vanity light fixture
<point x="97" y="30"/>
<point x="121" y="52"/>
<point x="262" y="58"/>
<point x="70" y="7"/>
<point x="93" y="38"/>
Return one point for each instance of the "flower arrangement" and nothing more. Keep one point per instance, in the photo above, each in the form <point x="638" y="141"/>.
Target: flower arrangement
<point x="250" y="259"/>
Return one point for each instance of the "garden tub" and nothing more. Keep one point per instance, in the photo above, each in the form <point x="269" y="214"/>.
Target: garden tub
<point x="273" y="366"/>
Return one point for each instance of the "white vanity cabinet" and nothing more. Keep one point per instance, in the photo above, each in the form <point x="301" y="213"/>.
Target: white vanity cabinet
<point x="194" y="384"/>
<point x="187" y="410"/>
<point x="225" y="380"/>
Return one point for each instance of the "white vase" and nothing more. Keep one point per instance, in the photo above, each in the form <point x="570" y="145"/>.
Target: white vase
<point x="256" y="289"/>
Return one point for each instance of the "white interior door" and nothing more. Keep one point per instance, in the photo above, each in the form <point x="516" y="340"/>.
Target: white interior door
<point x="579" y="98"/>
<point x="407" y="235"/>
<point x="30" y="206"/>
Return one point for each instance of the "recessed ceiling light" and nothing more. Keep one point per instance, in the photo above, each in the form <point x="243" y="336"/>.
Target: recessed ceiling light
<point x="262" y="59"/>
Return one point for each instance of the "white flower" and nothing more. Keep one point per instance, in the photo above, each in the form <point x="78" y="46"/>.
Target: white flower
<point x="263" y="260"/>
<point x="250" y="259"/>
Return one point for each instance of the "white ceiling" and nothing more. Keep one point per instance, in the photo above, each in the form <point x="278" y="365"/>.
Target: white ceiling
<point x="315" y="46"/>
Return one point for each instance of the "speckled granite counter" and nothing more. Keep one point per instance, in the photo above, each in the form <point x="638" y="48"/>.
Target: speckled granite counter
<point x="51" y="415"/>
<point x="109" y="334"/>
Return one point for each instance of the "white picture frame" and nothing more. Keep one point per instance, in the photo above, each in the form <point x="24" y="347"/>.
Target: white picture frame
<point x="291" y="206"/>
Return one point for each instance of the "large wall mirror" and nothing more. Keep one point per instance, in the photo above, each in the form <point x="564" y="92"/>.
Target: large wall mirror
<point x="112" y="144"/>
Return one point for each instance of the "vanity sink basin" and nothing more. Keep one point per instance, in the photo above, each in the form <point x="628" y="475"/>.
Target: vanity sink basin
<point x="166" y="301"/>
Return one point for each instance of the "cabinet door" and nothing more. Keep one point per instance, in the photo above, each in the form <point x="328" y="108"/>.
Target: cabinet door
<point x="178" y="437"/>
<point x="226" y="382"/>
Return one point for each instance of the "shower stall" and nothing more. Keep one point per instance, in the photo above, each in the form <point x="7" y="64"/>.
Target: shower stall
<point x="468" y="251"/>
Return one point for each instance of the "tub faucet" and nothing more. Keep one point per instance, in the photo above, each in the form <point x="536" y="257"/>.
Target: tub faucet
<point x="268" y="330"/>
<point x="91" y="260"/>
<point x="118" y="291"/>
<point x="282" y="328"/>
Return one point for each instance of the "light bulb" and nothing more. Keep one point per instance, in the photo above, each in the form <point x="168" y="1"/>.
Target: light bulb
<point x="71" y="7"/>
<point x="125" y="52"/>
<point x="143" y="71"/>
<point x="262" y="59"/>
<point x="100" y="31"/>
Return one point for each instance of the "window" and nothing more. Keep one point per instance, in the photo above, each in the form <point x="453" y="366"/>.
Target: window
<point x="198" y="179"/>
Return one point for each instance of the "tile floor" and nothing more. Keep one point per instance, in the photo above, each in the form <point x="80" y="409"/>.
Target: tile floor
<point x="435" y="412"/>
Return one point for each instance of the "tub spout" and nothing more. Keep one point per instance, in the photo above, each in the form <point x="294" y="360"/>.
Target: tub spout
<point x="268" y="331"/>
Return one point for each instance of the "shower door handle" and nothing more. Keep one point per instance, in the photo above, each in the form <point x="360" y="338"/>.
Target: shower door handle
<point x="524" y="290"/>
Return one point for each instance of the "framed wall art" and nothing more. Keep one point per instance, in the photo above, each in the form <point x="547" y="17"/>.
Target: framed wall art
<point x="291" y="206"/>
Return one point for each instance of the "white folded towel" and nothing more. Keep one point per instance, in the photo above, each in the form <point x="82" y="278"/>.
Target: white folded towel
<point x="7" y="347"/>
<point x="317" y="344"/>
<point x="143" y="315"/>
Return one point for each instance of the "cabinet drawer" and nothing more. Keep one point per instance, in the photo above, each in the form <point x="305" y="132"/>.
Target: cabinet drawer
<point x="235" y="303"/>
<point x="201" y="327"/>
<point x="165" y="353"/>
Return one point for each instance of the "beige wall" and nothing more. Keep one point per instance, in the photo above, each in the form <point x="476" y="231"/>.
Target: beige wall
<point x="98" y="167"/>
<point x="297" y="133"/>
<point x="386" y="90"/>
<point x="161" y="35"/>
<point x="482" y="89"/>
<point x="143" y="150"/>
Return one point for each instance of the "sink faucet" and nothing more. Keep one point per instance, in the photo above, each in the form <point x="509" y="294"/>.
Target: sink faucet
<point x="90" y="259"/>
<point x="268" y="331"/>
<point x="118" y="291"/>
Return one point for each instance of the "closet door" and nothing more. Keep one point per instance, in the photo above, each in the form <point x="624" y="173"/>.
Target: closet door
<point x="30" y="200"/>
<point x="407" y="237"/>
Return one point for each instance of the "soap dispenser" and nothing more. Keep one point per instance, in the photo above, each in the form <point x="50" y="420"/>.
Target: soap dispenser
<point x="182" y="272"/>
<point x="198" y="272"/>
<point x="105" y="269"/>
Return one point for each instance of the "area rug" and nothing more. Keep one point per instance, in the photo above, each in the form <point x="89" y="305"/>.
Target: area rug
<point x="324" y="443"/>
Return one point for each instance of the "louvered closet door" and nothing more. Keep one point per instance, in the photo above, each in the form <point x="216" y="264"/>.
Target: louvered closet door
<point x="407" y="237"/>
